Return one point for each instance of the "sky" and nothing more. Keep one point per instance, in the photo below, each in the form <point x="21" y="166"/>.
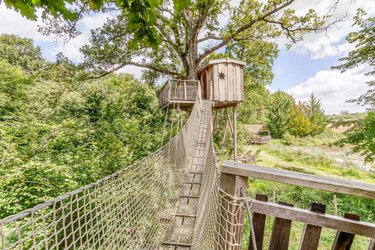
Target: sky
<point x="299" y="71"/>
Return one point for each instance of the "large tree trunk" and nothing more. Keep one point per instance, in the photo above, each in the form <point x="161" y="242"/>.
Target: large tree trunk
<point x="193" y="57"/>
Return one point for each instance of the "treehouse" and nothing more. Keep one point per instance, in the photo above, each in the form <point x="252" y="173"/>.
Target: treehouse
<point x="220" y="81"/>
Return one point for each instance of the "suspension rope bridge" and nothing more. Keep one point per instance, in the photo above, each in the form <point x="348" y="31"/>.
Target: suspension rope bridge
<point x="179" y="198"/>
<point x="168" y="200"/>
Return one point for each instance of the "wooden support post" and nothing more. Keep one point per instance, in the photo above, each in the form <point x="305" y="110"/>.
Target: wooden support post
<point x="185" y="93"/>
<point x="235" y="133"/>
<point x="232" y="213"/>
<point x="334" y="205"/>
<point x="311" y="234"/>
<point x="344" y="240"/>
<point x="280" y="232"/>
<point x="372" y="245"/>
<point x="259" y="221"/>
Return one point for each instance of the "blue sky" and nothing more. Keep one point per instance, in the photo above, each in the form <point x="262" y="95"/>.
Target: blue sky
<point x="300" y="71"/>
<point x="291" y="68"/>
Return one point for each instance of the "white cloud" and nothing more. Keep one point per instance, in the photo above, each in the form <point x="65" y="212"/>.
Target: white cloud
<point x="13" y="23"/>
<point x="332" y="43"/>
<point x="130" y="69"/>
<point x="334" y="89"/>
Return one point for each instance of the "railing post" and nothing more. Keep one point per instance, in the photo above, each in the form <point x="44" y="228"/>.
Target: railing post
<point x="232" y="211"/>
<point x="169" y="90"/>
<point x="185" y="93"/>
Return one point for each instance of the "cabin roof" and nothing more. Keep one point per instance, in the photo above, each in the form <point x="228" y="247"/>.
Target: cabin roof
<point x="255" y="128"/>
<point x="222" y="60"/>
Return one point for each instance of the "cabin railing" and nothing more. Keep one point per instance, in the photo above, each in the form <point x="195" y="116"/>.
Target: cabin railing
<point x="178" y="91"/>
<point x="284" y="214"/>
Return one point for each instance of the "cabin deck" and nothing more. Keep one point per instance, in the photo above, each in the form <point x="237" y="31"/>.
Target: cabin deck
<point x="181" y="94"/>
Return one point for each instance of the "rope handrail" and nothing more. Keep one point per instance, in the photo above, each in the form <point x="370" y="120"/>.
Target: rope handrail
<point x="134" y="208"/>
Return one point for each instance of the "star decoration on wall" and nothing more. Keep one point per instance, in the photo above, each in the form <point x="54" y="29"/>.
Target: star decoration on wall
<point x="221" y="75"/>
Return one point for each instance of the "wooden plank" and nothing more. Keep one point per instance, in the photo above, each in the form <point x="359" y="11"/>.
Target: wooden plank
<point x="185" y="92"/>
<point x="300" y="179"/>
<point x="175" y="243"/>
<point x="280" y="232"/>
<point x="175" y="229"/>
<point x="186" y="230"/>
<point x="235" y="83"/>
<point x="238" y="83"/>
<point x="259" y="221"/>
<point x="322" y="220"/>
<point x="215" y="78"/>
<point x="311" y="234"/>
<point x="229" y="77"/>
<point x="222" y="83"/>
<point x="242" y="84"/>
<point x="344" y="240"/>
<point x="232" y="83"/>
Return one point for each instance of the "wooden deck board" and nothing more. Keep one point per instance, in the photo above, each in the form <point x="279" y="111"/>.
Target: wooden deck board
<point x="181" y="229"/>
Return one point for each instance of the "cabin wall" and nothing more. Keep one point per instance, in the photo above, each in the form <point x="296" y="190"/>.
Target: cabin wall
<point x="229" y="89"/>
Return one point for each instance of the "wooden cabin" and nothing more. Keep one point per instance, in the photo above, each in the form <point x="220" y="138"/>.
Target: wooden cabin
<point x="257" y="134"/>
<point x="221" y="81"/>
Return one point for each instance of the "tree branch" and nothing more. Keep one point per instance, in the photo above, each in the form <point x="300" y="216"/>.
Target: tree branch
<point x="210" y="38"/>
<point x="142" y="65"/>
<point x="227" y="39"/>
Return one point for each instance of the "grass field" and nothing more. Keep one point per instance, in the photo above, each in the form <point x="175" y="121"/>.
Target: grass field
<point x="318" y="156"/>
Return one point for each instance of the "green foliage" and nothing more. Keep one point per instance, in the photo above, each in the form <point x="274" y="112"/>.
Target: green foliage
<point x="21" y="52"/>
<point x="279" y="114"/>
<point x="316" y="115"/>
<point x="254" y="107"/>
<point x="58" y="132"/>
<point x="363" y="137"/>
<point x="180" y="27"/>
<point x="72" y="133"/>
<point x="12" y="85"/>
<point x="300" y="124"/>
<point x="364" y="52"/>
<point x="140" y="14"/>
<point x="28" y="8"/>
<point x="307" y="155"/>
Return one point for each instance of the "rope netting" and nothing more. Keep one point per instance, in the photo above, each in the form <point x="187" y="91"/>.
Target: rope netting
<point x="219" y="222"/>
<point x="129" y="209"/>
<point x="132" y="208"/>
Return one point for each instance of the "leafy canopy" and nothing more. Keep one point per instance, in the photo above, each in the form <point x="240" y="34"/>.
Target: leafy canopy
<point x="279" y="114"/>
<point x="21" y="52"/>
<point x="189" y="32"/>
<point x="363" y="137"/>
<point x="363" y="54"/>
<point x="300" y="124"/>
<point x="174" y="38"/>
<point x="58" y="132"/>
<point x="316" y="115"/>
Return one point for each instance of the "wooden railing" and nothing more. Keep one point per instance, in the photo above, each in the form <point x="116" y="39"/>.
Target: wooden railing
<point x="315" y="219"/>
<point x="179" y="91"/>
